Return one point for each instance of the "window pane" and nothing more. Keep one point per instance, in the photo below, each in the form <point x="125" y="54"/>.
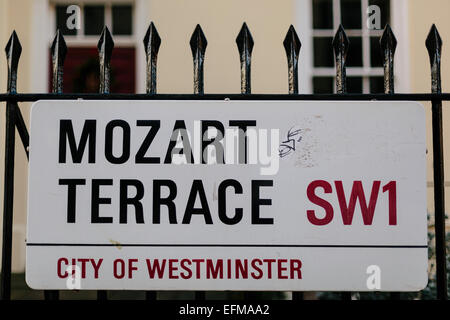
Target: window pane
<point x="354" y="84"/>
<point x="385" y="11"/>
<point x="121" y="20"/>
<point x="376" y="85"/>
<point x="323" y="52"/>
<point x="94" y="20"/>
<point x="351" y="14"/>
<point x="354" y="54"/>
<point x="61" y="21"/>
<point x="376" y="58"/>
<point x="322" y="14"/>
<point x="323" y="84"/>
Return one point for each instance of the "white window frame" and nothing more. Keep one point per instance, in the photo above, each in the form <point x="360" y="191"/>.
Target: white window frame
<point x="80" y="39"/>
<point x="399" y="24"/>
<point x="44" y="28"/>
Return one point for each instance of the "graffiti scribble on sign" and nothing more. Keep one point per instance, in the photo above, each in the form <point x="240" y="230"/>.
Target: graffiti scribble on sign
<point x="289" y="145"/>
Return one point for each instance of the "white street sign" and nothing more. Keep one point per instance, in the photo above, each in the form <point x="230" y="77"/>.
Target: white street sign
<point x="227" y="195"/>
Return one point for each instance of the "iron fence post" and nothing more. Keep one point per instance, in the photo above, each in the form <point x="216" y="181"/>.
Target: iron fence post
<point x="340" y="46"/>
<point x="152" y="41"/>
<point x="292" y="46"/>
<point x="388" y="44"/>
<point x="105" y="47"/>
<point x="198" y="45"/>
<point x="244" y="43"/>
<point x="13" y="50"/>
<point x="58" y="52"/>
<point x="434" y="46"/>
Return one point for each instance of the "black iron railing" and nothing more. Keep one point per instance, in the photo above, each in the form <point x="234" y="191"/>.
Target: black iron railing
<point x="198" y="43"/>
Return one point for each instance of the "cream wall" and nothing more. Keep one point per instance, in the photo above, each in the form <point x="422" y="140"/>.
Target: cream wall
<point x="422" y="14"/>
<point x="221" y="22"/>
<point x="16" y="15"/>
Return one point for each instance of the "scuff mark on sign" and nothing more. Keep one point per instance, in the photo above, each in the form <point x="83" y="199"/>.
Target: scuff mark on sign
<point x="117" y="244"/>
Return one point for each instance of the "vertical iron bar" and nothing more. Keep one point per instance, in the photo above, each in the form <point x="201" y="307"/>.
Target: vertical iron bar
<point x="434" y="46"/>
<point x="22" y="129"/>
<point x="388" y="44"/>
<point x="58" y="51"/>
<point x="200" y="295"/>
<point x="292" y="46"/>
<point x="13" y="50"/>
<point x="152" y="41"/>
<point x="105" y="47"/>
<point x="244" y="43"/>
<point x="297" y="295"/>
<point x="150" y="295"/>
<point x="340" y="45"/>
<point x="198" y="46"/>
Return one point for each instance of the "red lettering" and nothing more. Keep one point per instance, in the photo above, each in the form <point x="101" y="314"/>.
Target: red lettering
<point x="269" y="267"/>
<point x="357" y="194"/>
<point x="197" y="267"/>
<point x="60" y="268"/>
<point x="96" y="266"/>
<point x="320" y="202"/>
<point x="210" y="270"/>
<point x="119" y="264"/>
<point x="241" y="269"/>
<point x="256" y="268"/>
<point x="172" y="268"/>
<point x="159" y="269"/>
<point x="183" y="263"/>
<point x="131" y="267"/>
<point x="281" y="269"/>
<point x="391" y="187"/>
<point x="295" y="267"/>
<point x="83" y="267"/>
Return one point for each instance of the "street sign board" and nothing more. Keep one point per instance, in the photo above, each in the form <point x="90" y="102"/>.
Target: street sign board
<point x="227" y="195"/>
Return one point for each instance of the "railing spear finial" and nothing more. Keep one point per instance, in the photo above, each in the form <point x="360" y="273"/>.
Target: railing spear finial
<point x="292" y="46"/>
<point x="13" y="50"/>
<point x="388" y="43"/>
<point x="434" y="47"/>
<point x="244" y="43"/>
<point x="105" y="47"/>
<point x="198" y="45"/>
<point x="58" y="51"/>
<point x="152" y="41"/>
<point x="340" y="45"/>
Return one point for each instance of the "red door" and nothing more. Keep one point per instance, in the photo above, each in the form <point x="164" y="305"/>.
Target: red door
<point x="81" y="70"/>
